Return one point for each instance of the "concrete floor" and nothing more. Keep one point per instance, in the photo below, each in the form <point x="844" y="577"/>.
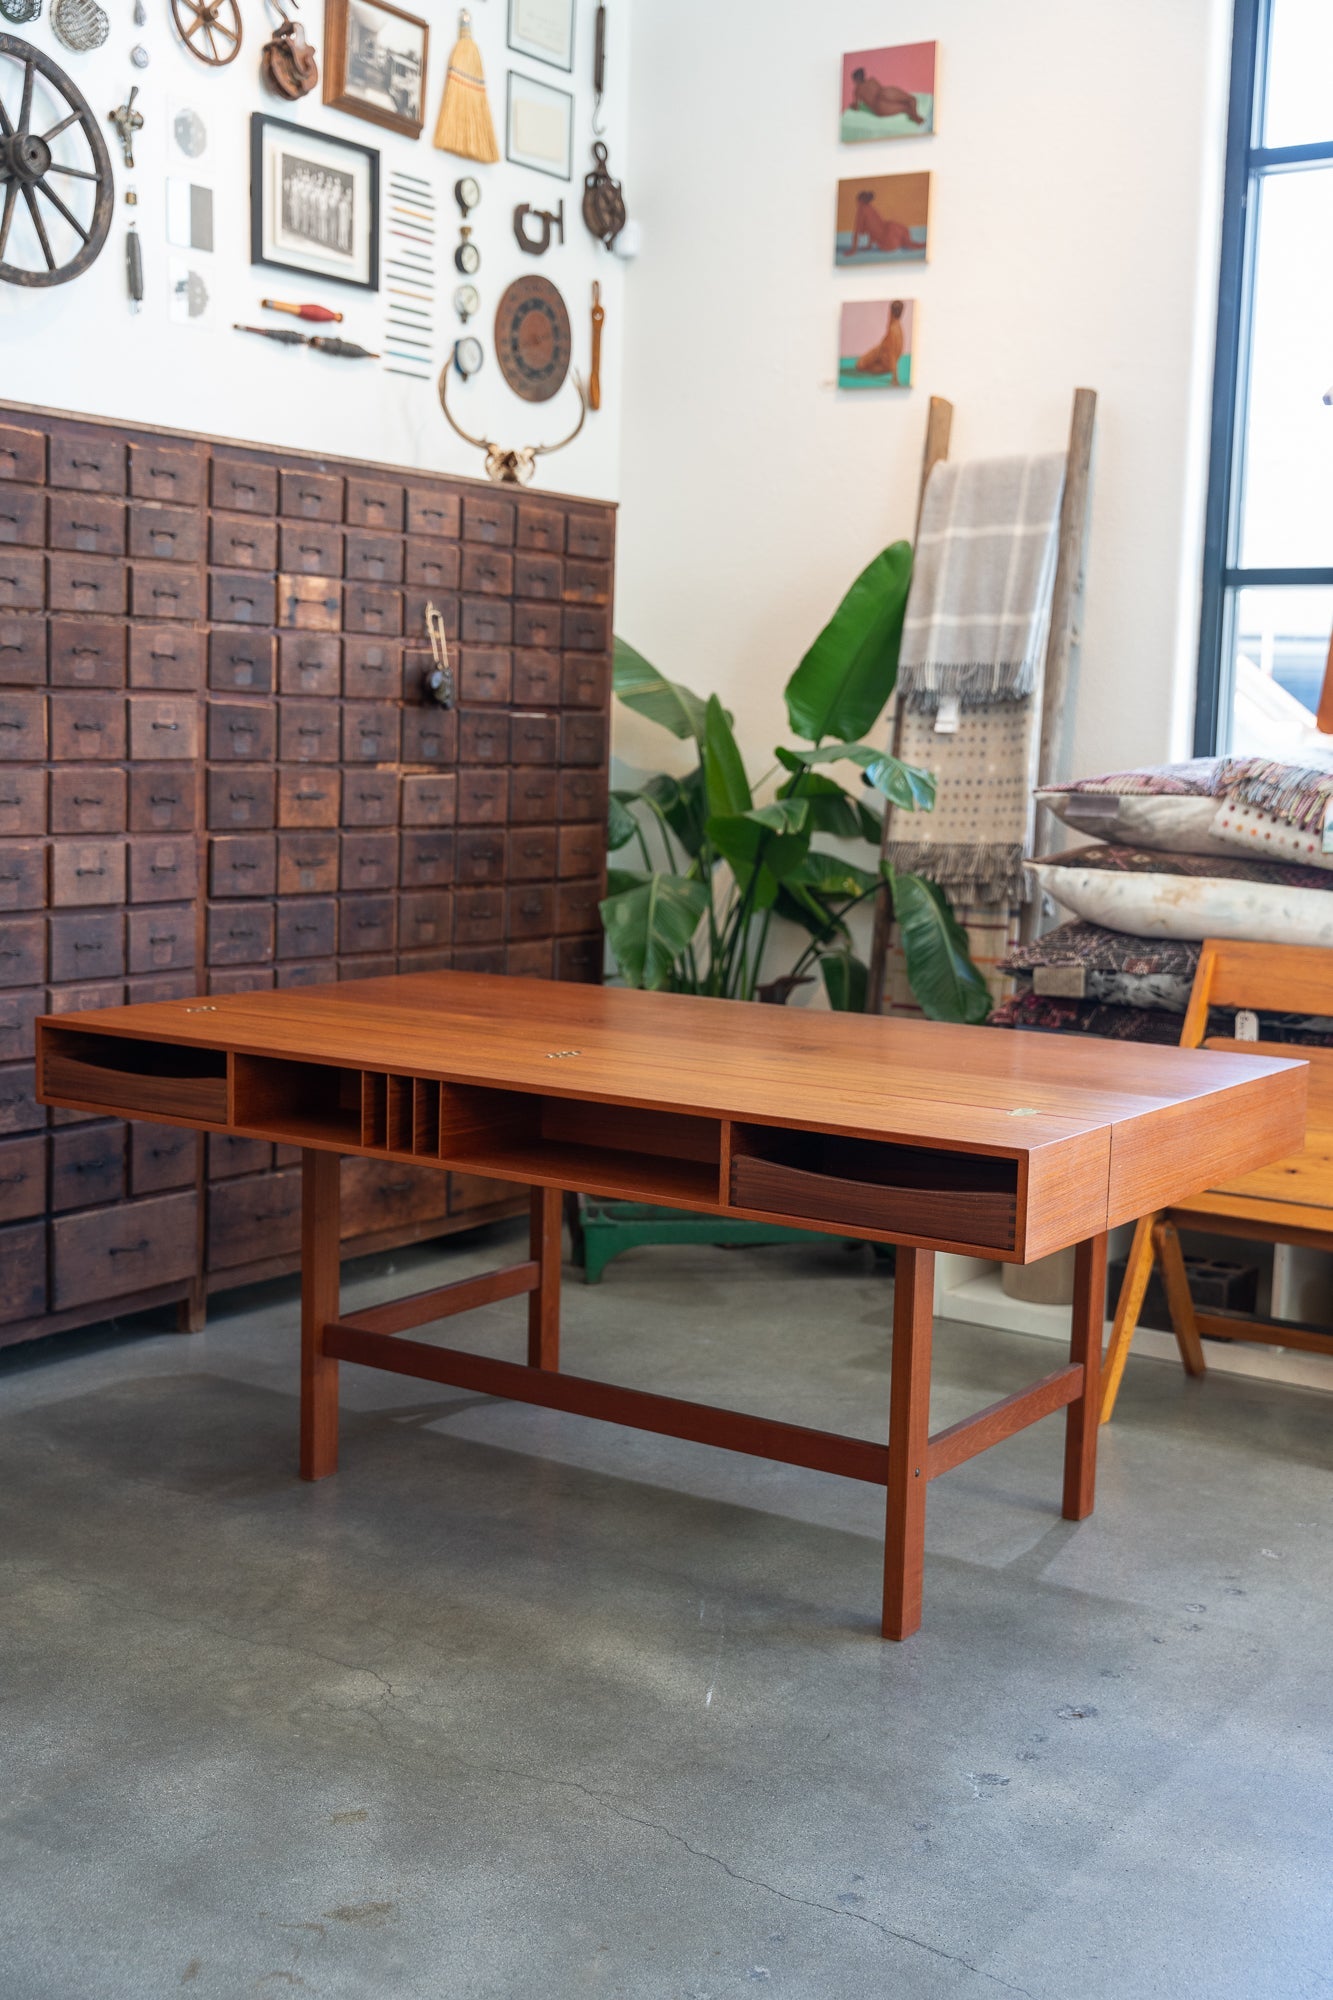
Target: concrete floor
<point x="523" y="1705"/>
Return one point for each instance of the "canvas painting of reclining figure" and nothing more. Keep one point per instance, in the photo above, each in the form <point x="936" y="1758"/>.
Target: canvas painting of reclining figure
<point x="889" y="93"/>
<point x="875" y="344"/>
<point x="882" y="219"/>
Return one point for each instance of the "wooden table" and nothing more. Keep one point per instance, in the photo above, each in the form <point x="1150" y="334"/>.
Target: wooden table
<point x="993" y="1144"/>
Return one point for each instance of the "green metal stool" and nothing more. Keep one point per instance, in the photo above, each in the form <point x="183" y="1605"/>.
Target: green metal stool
<point x="608" y="1227"/>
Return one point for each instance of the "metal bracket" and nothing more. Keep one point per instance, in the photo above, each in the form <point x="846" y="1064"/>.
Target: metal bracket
<point x="552" y="222"/>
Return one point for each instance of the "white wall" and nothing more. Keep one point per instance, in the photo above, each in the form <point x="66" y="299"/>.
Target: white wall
<point x="1074" y="223"/>
<point x="77" y="346"/>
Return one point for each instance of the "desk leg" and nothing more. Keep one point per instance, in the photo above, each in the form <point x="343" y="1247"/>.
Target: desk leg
<point x="909" y="1437"/>
<point x="1085" y="1347"/>
<point x="544" y="1303"/>
<point x="320" y="1275"/>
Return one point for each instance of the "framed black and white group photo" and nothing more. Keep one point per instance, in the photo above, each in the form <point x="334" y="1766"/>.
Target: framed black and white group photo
<point x="314" y="203"/>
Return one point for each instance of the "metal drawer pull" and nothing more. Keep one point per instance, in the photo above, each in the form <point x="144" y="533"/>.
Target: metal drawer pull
<point x="87" y="947"/>
<point x="164" y="1152"/>
<point x="11" y="799"/>
<point x="164" y="799"/>
<point x="86" y="464"/>
<point x="161" y="653"/>
<point x="241" y="486"/>
<point x="164" y="868"/>
<point x="168" y="726"/>
<point x="303" y="930"/>
<point x="93" y="1166"/>
<point x="240" y="659"/>
<point x="129" y="1249"/>
<point x="94" y="800"/>
<point x="164" y="937"/>
<point x="311" y="796"/>
<point x="11" y="646"/>
<point x="13" y="1180"/>
<point x="86" y="871"/>
<point x="244" y="867"/>
<point x="82" y="728"/>
<point x="237" y="543"/>
<point x="161" y="591"/>
<point x="241" y="934"/>
<point x="6" y="724"/>
<point x="81" y="527"/>
<point x="85" y="652"/>
<point x="163" y="534"/>
<point x="308" y="729"/>
<point x="243" y="600"/>
<point x="241" y="728"/>
<point x="238" y="797"/>
<point x="16" y="877"/>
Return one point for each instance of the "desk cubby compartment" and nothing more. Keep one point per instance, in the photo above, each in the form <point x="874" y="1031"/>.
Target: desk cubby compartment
<point x="304" y="1103"/>
<point x="601" y="1148"/>
<point x="160" y="1079"/>
<point x="966" y="1198"/>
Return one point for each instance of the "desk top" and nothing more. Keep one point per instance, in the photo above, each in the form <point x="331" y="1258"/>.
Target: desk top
<point x="1147" y="1125"/>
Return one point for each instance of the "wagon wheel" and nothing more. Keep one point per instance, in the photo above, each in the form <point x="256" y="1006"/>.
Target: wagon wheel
<point x="204" y="30"/>
<point x="52" y="154"/>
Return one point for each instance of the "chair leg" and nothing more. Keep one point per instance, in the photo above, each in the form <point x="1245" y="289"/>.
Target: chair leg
<point x="1183" y="1323"/>
<point x="1128" y="1307"/>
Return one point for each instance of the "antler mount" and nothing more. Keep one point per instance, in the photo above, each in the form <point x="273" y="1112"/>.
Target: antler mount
<point x="505" y="467"/>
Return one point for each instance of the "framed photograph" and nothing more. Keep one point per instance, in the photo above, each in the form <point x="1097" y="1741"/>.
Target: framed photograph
<point x="375" y="63"/>
<point x="889" y="93"/>
<point x="875" y="344"/>
<point x="539" y="128"/>
<point x="883" y="219"/>
<point x="314" y="203"/>
<point x="543" y="29"/>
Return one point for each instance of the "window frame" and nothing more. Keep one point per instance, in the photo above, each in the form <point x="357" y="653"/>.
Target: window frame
<point x="1248" y="164"/>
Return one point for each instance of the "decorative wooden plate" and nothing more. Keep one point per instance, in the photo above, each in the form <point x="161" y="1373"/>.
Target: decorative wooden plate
<point x="533" y="342"/>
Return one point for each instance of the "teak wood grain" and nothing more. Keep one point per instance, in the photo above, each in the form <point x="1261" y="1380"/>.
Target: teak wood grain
<point x="879" y="1127"/>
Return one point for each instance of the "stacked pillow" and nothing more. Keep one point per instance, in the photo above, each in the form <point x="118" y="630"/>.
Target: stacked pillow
<point x="1217" y="847"/>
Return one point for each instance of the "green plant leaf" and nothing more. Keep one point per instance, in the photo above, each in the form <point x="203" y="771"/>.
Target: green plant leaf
<point x="848" y="674"/>
<point x="650" y="920"/>
<point x="725" y="783"/>
<point x="902" y="784"/>
<point x="846" y="981"/>
<point x="939" y="969"/>
<point x="620" y="822"/>
<point x="641" y="687"/>
<point x="829" y="875"/>
<point x="832" y="808"/>
<point x="761" y="847"/>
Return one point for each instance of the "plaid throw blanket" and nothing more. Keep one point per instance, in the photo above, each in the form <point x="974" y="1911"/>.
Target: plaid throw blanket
<point x="979" y="609"/>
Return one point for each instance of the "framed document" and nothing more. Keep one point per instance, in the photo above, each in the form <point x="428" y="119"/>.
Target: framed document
<point x="539" y="128"/>
<point x="543" y="29"/>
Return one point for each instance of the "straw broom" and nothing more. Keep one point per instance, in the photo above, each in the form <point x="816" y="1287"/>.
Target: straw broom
<point x="464" y="124"/>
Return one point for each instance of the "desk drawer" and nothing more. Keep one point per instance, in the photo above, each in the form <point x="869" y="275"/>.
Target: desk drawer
<point x="861" y="1183"/>
<point x="122" y="1249"/>
<point x="130" y="1075"/>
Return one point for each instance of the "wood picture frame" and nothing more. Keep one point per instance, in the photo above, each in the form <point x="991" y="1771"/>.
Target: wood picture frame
<point x="314" y="203"/>
<point x="543" y="30"/>
<point x="375" y="63"/>
<point x="539" y="126"/>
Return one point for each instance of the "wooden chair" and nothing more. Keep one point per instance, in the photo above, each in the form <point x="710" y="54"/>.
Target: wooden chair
<point x="1291" y="1202"/>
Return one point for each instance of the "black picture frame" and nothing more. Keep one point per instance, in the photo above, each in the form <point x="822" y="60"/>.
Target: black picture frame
<point x="520" y="159"/>
<point x="260" y="124"/>
<point x="527" y="49"/>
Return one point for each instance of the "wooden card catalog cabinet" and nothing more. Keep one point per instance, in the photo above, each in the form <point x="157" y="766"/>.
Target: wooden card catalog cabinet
<point x="218" y="774"/>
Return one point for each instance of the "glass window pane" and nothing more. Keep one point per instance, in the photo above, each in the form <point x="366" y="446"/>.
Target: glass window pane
<point x="1278" y="652"/>
<point x="1287" y="501"/>
<point x="1299" y="106"/>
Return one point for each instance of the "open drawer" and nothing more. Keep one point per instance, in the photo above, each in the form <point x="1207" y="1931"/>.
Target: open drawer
<point x="154" y="1079"/>
<point x="964" y="1198"/>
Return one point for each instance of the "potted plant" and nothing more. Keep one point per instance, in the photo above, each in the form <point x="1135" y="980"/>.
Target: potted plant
<point x="718" y="866"/>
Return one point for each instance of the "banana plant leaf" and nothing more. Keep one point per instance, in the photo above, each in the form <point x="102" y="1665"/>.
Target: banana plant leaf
<point x="621" y="824"/>
<point x="725" y="784"/>
<point x="829" y="875"/>
<point x="848" y="674"/>
<point x="940" y="972"/>
<point x="641" y="687"/>
<point x="763" y="846"/>
<point x="832" y="808"/>
<point x="650" y="920"/>
<point x="902" y="784"/>
<point x="846" y="981"/>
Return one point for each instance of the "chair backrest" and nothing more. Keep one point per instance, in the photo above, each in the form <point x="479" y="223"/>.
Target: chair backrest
<point x="1276" y="978"/>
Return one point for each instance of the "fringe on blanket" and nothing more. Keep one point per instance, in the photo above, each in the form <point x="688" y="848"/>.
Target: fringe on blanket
<point x="976" y="685"/>
<point x="974" y="872"/>
<point x="1298" y="795"/>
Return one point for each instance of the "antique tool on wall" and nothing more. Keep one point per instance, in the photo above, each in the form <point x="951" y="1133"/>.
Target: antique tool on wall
<point x="438" y="684"/>
<point x="468" y="356"/>
<point x="510" y="468"/>
<point x="599" y="71"/>
<point x="127" y="122"/>
<point x="80" y="24"/>
<point x="533" y="342"/>
<point x="552" y="224"/>
<point x="467" y="300"/>
<point x="603" y="200"/>
<point x="210" y="29"/>
<point x="464" y="125"/>
<point x="28" y="164"/>
<point x="303" y="311"/>
<point x="327" y="343"/>
<point x="467" y="257"/>
<point x="20" y="11"/>
<point x="595" y="374"/>
<point x="133" y="259"/>
<point x="287" y="62"/>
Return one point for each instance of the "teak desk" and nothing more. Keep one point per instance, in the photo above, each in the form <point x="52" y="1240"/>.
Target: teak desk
<point x="930" y="1137"/>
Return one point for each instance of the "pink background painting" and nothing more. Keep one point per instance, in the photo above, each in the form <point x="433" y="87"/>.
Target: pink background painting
<point x="864" y="323"/>
<point x="911" y="67"/>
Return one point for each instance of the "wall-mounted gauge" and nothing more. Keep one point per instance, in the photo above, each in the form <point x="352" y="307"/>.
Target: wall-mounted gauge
<point x="467" y="300"/>
<point x="467" y="193"/>
<point x="467" y="258"/>
<point x="468" y="355"/>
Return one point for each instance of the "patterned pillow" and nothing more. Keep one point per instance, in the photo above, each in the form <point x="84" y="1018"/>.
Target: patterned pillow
<point x="1190" y="895"/>
<point x="1166" y="806"/>
<point x="1261" y="833"/>
<point x="1105" y="951"/>
<point x="1198" y="778"/>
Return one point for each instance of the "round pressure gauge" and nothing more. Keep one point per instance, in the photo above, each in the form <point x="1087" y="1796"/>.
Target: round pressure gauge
<point x="468" y="355"/>
<point x="467" y="259"/>
<point x="467" y="193"/>
<point x="467" y="300"/>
